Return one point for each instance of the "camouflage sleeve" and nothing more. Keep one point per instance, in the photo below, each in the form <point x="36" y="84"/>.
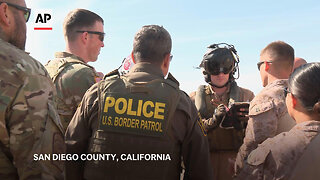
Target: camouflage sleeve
<point x="76" y="84"/>
<point x="26" y="108"/>
<point x="261" y="163"/>
<point x="260" y="127"/>
<point x="8" y="90"/>
<point x="195" y="148"/>
<point x="79" y="132"/>
<point x="249" y="173"/>
<point x="210" y="124"/>
<point x="215" y="119"/>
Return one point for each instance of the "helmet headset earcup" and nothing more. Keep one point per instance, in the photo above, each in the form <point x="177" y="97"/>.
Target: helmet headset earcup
<point x="206" y="76"/>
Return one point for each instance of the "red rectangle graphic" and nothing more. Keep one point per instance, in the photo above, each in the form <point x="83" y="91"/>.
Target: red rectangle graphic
<point x="43" y="28"/>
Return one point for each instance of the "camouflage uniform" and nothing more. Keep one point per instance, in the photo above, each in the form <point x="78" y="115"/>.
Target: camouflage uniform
<point x="224" y="143"/>
<point x="72" y="78"/>
<point x="182" y="134"/>
<point x="277" y="157"/>
<point x="268" y="116"/>
<point x="29" y="122"/>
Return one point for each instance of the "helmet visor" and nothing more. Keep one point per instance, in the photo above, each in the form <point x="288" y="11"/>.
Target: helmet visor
<point x="223" y="64"/>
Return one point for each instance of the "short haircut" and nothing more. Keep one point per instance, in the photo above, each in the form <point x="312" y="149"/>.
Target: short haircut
<point x="280" y="51"/>
<point x="77" y="20"/>
<point x="304" y="84"/>
<point x="12" y="1"/>
<point x="151" y="44"/>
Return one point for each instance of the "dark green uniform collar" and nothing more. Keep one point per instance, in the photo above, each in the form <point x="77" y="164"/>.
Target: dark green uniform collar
<point x="150" y="69"/>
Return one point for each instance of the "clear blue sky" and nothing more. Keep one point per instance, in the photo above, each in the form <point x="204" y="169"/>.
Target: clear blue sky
<point x="193" y="25"/>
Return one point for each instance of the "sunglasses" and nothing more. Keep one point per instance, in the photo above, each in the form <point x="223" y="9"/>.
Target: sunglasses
<point x="171" y="56"/>
<point x="27" y="11"/>
<point x="261" y="62"/>
<point x="216" y="72"/>
<point x="101" y="34"/>
<point x="286" y="91"/>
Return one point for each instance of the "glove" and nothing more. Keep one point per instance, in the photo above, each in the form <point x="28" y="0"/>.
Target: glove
<point x="219" y="115"/>
<point x="238" y="113"/>
<point x="240" y="110"/>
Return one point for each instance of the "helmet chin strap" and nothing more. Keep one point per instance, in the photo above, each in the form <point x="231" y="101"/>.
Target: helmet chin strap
<point x="226" y="84"/>
<point x="231" y="79"/>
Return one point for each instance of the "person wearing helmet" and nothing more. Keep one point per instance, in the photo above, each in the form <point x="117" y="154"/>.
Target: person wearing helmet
<point x="223" y="106"/>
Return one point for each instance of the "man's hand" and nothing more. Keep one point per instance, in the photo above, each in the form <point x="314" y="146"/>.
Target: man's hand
<point x="240" y="111"/>
<point x="220" y="114"/>
<point x="237" y="116"/>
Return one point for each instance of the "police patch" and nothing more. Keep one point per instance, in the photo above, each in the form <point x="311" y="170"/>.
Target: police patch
<point x="128" y="113"/>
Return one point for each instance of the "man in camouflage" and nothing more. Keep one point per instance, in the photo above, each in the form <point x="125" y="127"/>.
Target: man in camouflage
<point x="29" y="122"/>
<point x="139" y="113"/>
<point x="225" y="129"/>
<point x="72" y="76"/>
<point x="292" y="155"/>
<point x="276" y="157"/>
<point x="268" y="115"/>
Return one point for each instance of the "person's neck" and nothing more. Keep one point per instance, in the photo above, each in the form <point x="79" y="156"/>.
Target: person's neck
<point x="76" y="51"/>
<point x="219" y="91"/>
<point x="272" y="78"/>
<point x="303" y="117"/>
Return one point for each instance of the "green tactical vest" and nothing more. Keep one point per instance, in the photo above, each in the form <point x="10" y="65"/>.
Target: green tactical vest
<point x="55" y="68"/>
<point x="219" y="139"/>
<point x="135" y="118"/>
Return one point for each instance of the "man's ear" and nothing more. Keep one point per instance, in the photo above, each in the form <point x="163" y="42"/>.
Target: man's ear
<point x="165" y="64"/>
<point x="4" y="19"/>
<point x="166" y="61"/>
<point x="84" y="37"/>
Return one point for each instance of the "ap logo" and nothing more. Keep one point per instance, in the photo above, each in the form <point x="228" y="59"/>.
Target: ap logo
<point x="43" y="19"/>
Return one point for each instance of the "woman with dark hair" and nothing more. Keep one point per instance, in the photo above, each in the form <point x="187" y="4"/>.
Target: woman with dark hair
<point x="293" y="154"/>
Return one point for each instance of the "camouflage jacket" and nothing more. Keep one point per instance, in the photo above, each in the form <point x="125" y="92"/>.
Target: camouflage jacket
<point x="268" y="116"/>
<point x="72" y="78"/>
<point x="29" y="122"/>
<point x="277" y="157"/>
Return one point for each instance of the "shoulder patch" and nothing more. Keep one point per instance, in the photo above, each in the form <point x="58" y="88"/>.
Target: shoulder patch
<point x="258" y="156"/>
<point x="257" y="108"/>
